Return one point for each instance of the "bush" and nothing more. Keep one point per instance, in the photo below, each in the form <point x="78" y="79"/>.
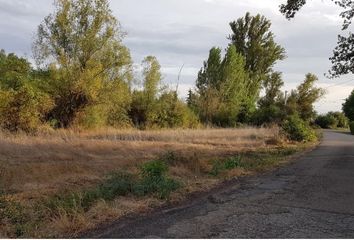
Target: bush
<point x="326" y="121"/>
<point x="348" y="107"/>
<point x="23" y="109"/>
<point x="341" y="118"/>
<point x="332" y="120"/>
<point x="351" y="127"/>
<point x="268" y="115"/>
<point x="298" y="130"/>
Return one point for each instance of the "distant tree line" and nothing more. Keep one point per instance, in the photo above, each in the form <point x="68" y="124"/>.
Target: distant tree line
<point x="84" y="77"/>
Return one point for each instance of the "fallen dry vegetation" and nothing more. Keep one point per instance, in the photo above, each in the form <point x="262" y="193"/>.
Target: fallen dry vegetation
<point x="59" y="163"/>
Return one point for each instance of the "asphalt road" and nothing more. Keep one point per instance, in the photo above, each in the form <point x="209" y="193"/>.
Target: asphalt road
<point x="311" y="198"/>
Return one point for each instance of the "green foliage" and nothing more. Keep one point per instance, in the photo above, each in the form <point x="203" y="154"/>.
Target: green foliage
<point x="343" y="121"/>
<point x="154" y="180"/>
<point x="233" y="162"/>
<point x="209" y="75"/>
<point x="81" y="46"/>
<point x="301" y="101"/>
<point x="298" y="130"/>
<point x="271" y="106"/>
<point x="152" y="107"/>
<point x="152" y="79"/>
<point x="348" y="107"/>
<point x="291" y="7"/>
<point x="332" y="120"/>
<point x="272" y="114"/>
<point x="326" y="121"/>
<point x="307" y="95"/>
<point x="22" y="105"/>
<point x="222" y="87"/>
<point x="170" y="112"/>
<point x="342" y="59"/>
<point x="351" y="126"/>
<point x="226" y="164"/>
<point x="253" y="39"/>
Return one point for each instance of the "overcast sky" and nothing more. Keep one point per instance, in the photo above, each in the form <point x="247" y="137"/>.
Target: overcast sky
<point x="182" y="32"/>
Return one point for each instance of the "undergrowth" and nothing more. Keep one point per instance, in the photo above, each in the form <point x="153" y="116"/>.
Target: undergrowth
<point x="152" y="180"/>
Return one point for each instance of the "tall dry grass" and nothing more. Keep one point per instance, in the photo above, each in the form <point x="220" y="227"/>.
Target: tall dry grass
<point x="34" y="168"/>
<point x="54" y="161"/>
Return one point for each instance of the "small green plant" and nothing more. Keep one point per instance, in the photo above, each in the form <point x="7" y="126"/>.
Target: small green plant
<point x="227" y="164"/>
<point x="233" y="162"/>
<point x="154" y="170"/>
<point x="154" y="180"/>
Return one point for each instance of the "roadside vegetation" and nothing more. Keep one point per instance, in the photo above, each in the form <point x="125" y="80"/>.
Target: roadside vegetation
<point x="61" y="183"/>
<point x="84" y="140"/>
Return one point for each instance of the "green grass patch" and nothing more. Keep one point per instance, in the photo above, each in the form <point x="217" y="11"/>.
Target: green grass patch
<point x="152" y="180"/>
<point x="251" y="161"/>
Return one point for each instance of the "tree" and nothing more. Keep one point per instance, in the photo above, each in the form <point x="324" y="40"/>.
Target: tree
<point x="343" y="57"/>
<point x="81" y="44"/>
<point x="233" y="87"/>
<point x="348" y="107"/>
<point x="207" y="84"/>
<point x="22" y="104"/>
<point x="221" y="87"/>
<point x="152" y="78"/>
<point x="332" y="120"/>
<point x="253" y="39"/>
<point x="304" y="97"/>
<point x="272" y="86"/>
<point x="271" y="106"/>
<point x="144" y="101"/>
<point x="209" y="74"/>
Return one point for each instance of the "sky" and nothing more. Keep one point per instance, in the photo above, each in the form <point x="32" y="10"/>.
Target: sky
<point x="181" y="32"/>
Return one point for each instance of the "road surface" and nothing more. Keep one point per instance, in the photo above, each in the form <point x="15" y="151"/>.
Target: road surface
<point x="311" y="198"/>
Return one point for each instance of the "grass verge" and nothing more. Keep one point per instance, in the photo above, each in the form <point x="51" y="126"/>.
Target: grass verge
<point x="168" y="176"/>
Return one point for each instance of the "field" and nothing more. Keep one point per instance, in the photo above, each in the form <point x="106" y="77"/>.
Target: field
<point x="37" y="169"/>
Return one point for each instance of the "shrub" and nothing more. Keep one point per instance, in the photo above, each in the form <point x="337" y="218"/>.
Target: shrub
<point x="326" y="121"/>
<point x="348" y="107"/>
<point x="23" y="109"/>
<point x="352" y="127"/>
<point x="268" y="115"/>
<point x="341" y="118"/>
<point x="298" y="130"/>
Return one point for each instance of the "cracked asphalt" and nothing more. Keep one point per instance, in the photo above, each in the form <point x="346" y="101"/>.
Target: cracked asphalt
<point x="313" y="197"/>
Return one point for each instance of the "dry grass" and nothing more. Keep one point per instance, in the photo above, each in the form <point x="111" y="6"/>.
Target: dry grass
<point x="33" y="167"/>
<point x="65" y="159"/>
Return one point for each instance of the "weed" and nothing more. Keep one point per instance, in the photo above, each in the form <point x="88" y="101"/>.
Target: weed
<point x="154" y="170"/>
<point x="233" y="162"/>
<point x="117" y="184"/>
<point x="154" y="180"/>
<point x="14" y="213"/>
<point x="226" y="164"/>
